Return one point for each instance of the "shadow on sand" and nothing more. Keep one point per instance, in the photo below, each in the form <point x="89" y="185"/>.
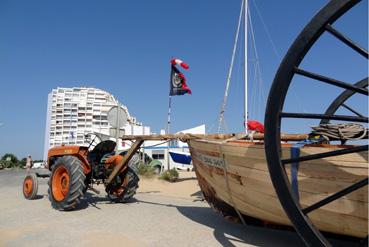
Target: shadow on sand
<point x="38" y="197"/>
<point x="184" y="179"/>
<point x="228" y="234"/>
<point x="92" y="200"/>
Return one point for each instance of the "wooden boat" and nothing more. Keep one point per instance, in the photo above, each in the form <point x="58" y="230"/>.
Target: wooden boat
<point x="234" y="176"/>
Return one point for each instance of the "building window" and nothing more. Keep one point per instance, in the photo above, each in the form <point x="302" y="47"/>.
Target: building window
<point x="158" y="154"/>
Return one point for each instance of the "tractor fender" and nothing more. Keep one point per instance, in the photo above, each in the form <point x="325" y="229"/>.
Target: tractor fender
<point x="76" y="151"/>
<point x="85" y="164"/>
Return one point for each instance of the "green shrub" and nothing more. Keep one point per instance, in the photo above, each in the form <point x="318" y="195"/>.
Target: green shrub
<point x="10" y="161"/>
<point x="171" y="175"/>
<point x="23" y="162"/>
<point x="145" y="170"/>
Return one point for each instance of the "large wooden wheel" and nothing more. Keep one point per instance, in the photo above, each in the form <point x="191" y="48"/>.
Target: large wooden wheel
<point x="276" y="114"/>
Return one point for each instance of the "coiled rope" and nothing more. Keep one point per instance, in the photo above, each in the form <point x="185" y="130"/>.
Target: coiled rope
<point x="341" y="132"/>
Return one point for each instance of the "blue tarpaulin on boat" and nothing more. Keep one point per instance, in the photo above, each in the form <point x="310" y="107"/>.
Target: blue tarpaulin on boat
<point x="181" y="158"/>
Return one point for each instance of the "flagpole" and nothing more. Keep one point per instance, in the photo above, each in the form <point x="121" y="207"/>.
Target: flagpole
<point x="169" y="113"/>
<point x="168" y="122"/>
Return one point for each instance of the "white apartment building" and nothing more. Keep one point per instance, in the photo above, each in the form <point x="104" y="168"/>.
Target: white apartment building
<point x="74" y="112"/>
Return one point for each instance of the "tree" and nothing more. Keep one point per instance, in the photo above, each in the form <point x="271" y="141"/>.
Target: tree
<point x="9" y="160"/>
<point x="23" y="162"/>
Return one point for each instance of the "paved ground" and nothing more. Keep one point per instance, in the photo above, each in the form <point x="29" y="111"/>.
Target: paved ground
<point x="153" y="218"/>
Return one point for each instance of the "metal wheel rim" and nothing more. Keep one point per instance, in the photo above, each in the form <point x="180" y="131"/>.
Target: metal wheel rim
<point x="60" y="183"/>
<point x="28" y="186"/>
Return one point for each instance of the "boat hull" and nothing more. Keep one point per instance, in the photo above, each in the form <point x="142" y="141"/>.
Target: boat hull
<point x="181" y="157"/>
<point x="234" y="175"/>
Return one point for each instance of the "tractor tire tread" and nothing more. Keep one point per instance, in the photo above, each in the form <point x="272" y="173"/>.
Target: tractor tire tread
<point x="76" y="185"/>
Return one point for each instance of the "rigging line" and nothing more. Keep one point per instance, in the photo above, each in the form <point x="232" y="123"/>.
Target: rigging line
<point x="221" y="114"/>
<point x="212" y="125"/>
<point x="238" y="79"/>
<point x="259" y="79"/>
<point x="225" y="126"/>
<point x="266" y="31"/>
<point x="257" y="64"/>
<point x="254" y="94"/>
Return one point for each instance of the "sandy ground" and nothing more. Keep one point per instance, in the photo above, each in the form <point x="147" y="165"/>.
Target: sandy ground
<point x="161" y="214"/>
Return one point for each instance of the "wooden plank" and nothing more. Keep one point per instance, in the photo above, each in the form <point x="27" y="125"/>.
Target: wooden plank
<point x="124" y="161"/>
<point x="257" y="151"/>
<point x="315" y="185"/>
<point x="267" y="207"/>
<point x="182" y="136"/>
<point x="217" y="182"/>
<point x="249" y="209"/>
<point x="208" y="148"/>
<point x="340" y="223"/>
<point x="263" y="188"/>
<point x="186" y="137"/>
<point x="361" y="157"/>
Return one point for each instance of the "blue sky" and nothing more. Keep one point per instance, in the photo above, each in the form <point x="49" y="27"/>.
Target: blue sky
<point x="124" y="47"/>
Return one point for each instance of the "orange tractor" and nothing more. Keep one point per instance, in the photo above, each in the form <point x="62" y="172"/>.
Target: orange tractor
<point x="74" y="169"/>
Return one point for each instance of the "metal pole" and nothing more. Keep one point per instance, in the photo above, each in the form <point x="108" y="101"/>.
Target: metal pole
<point x="246" y="48"/>
<point x="168" y="129"/>
<point x="169" y="113"/>
<point x="117" y="131"/>
<point x="143" y="146"/>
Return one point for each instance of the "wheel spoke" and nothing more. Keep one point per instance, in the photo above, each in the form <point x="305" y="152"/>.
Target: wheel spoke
<point x="335" y="196"/>
<point x="347" y="41"/>
<point x="341" y="99"/>
<point x="323" y="116"/>
<point x="352" y="110"/>
<point x="326" y="154"/>
<point x="332" y="81"/>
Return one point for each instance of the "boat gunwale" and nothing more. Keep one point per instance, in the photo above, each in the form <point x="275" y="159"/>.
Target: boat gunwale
<point x="261" y="143"/>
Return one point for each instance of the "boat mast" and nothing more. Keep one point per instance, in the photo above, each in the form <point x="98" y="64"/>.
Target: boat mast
<point x="245" y="57"/>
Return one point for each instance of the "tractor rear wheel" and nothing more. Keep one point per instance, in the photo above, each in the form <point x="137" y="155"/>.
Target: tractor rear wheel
<point x="67" y="183"/>
<point x="30" y="186"/>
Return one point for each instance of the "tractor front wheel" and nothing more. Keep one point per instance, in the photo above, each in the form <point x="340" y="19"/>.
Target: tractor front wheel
<point x="67" y="183"/>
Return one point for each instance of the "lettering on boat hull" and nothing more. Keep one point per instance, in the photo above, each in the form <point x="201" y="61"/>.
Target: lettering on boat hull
<point x="209" y="160"/>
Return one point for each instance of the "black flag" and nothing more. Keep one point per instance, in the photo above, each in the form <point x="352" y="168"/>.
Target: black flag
<point x="178" y="84"/>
